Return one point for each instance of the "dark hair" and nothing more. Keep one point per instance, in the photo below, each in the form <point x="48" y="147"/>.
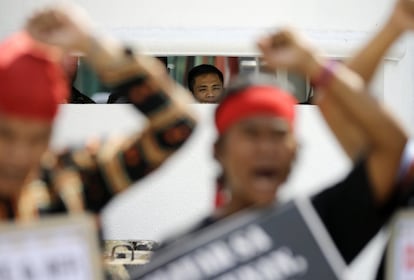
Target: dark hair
<point x="201" y="70"/>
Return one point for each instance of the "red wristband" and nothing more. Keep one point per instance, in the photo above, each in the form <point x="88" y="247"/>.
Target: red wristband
<point x="326" y="76"/>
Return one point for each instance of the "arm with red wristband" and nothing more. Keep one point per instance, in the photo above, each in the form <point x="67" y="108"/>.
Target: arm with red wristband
<point x="342" y="99"/>
<point x="367" y="59"/>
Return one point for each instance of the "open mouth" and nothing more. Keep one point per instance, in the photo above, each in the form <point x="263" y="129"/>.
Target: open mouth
<point x="266" y="172"/>
<point x="209" y="100"/>
<point x="266" y="178"/>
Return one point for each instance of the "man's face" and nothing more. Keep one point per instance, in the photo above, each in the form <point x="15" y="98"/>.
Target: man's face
<point x="208" y="88"/>
<point x="256" y="155"/>
<point x="22" y="144"/>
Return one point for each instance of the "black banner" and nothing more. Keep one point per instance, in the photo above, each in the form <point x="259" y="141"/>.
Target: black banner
<point x="287" y="242"/>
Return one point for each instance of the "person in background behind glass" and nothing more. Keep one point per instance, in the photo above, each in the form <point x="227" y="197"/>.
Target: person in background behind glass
<point x="206" y="83"/>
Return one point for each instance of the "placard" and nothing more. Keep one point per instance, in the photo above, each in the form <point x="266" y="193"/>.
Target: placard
<point x="57" y="248"/>
<point x="400" y="255"/>
<point x="287" y="242"/>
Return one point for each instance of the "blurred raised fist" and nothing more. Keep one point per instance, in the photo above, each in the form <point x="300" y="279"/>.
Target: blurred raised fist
<point x="287" y="49"/>
<point x="66" y="26"/>
<point x="403" y="14"/>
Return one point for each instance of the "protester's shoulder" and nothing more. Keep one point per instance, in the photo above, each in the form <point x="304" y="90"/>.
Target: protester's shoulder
<point x="355" y="183"/>
<point x="356" y="176"/>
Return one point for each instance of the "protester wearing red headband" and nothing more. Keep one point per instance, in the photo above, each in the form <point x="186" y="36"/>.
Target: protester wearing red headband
<point x="44" y="86"/>
<point x="31" y="87"/>
<point x="257" y="146"/>
<point x="265" y="100"/>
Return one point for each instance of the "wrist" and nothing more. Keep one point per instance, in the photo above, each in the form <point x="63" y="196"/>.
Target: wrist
<point x="104" y="54"/>
<point x="323" y="72"/>
<point x="309" y="62"/>
<point x="314" y="66"/>
<point x="90" y="45"/>
<point x="82" y="42"/>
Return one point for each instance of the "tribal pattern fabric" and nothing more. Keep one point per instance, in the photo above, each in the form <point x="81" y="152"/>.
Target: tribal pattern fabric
<point x="86" y="179"/>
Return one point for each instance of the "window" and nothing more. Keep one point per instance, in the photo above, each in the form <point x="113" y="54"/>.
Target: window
<point x="88" y="82"/>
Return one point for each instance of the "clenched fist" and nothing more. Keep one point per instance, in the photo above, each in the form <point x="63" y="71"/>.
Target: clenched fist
<point x="287" y="49"/>
<point x="66" y="26"/>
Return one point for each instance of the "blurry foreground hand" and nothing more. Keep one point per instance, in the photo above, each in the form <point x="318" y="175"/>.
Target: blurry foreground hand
<point x="66" y="26"/>
<point x="403" y="14"/>
<point x="287" y="49"/>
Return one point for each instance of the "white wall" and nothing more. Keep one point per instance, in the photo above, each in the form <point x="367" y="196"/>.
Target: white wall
<point x="185" y="27"/>
<point x="351" y="15"/>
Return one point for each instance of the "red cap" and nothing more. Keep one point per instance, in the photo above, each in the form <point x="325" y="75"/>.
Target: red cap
<point x="255" y="100"/>
<point x="32" y="82"/>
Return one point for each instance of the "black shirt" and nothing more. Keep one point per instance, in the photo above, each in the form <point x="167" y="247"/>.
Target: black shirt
<point x="348" y="211"/>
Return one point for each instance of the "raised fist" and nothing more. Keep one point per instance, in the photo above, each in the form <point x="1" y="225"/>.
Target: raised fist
<point x="403" y="14"/>
<point x="66" y="26"/>
<point x="287" y="49"/>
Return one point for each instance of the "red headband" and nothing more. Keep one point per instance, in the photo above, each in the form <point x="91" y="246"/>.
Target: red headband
<point x="32" y="83"/>
<point x="252" y="101"/>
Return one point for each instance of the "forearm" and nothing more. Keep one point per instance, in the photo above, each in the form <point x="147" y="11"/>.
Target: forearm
<point x="170" y="124"/>
<point x="163" y="102"/>
<point x="349" y="91"/>
<point x="366" y="60"/>
<point x="109" y="58"/>
<point x="157" y="95"/>
<point x="141" y="78"/>
<point x="144" y="80"/>
<point x="382" y="136"/>
<point x="349" y="136"/>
